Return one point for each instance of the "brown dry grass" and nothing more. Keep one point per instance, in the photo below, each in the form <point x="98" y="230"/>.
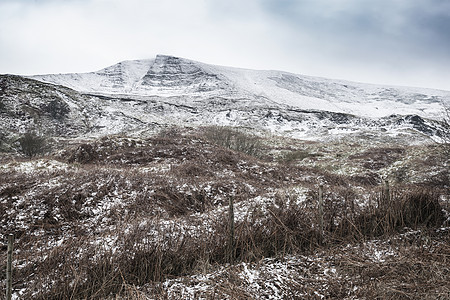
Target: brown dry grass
<point x="67" y="250"/>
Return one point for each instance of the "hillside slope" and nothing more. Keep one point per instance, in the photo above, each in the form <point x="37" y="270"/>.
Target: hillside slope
<point x="172" y="76"/>
<point x="141" y="97"/>
<point x="58" y="111"/>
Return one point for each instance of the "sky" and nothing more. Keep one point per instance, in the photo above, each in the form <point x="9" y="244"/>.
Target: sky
<point x="393" y="42"/>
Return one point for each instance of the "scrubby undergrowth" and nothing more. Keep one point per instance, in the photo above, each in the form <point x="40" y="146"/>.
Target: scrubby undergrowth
<point x="147" y="218"/>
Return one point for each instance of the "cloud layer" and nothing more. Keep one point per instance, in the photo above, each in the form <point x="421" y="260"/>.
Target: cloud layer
<point x="385" y="41"/>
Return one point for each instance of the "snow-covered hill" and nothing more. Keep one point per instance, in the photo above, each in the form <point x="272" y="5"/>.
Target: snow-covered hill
<point x="143" y="96"/>
<point x="167" y="76"/>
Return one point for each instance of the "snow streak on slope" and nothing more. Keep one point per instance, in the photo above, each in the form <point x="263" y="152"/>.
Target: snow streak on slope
<point x="120" y="78"/>
<point x="168" y="76"/>
<point x="163" y="76"/>
<point x="336" y="95"/>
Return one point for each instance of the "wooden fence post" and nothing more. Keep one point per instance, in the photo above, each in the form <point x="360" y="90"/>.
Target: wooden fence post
<point x="231" y="233"/>
<point x="387" y="196"/>
<point x="321" y="209"/>
<point x="9" y="267"/>
<point x="388" y="206"/>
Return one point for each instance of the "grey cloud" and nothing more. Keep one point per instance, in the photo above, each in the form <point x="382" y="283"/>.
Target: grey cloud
<point x="354" y="39"/>
<point x="404" y="21"/>
<point x="400" y="34"/>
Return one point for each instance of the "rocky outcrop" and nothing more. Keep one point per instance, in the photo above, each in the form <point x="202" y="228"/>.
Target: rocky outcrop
<point x="173" y="73"/>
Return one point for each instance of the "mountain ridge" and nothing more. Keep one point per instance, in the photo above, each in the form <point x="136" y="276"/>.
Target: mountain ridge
<point x="168" y="76"/>
<point x="141" y="97"/>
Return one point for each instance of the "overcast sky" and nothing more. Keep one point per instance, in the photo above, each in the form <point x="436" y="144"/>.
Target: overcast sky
<point x="398" y="42"/>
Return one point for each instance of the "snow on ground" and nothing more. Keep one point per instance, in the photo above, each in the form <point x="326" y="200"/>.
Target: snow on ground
<point x="270" y="278"/>
<point x="323" y="274"/>
<point x="107" y="219"/>
<point x="32" y="166"/>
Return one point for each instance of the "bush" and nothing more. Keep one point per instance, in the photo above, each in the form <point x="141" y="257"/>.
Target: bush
<point x="84" y="153"/>
<point x="421" y="207"/>
<point x="412" y="208"/>
<point x="297" y="155"/>
<point x="32" y="144"/>
<point x="57" y="109"/>
<point x="234" y="139"/>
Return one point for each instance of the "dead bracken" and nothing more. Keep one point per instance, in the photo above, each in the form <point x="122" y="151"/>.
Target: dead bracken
<point x="147" y="218"/>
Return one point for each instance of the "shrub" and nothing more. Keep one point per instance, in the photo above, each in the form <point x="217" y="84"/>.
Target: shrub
<point x="57" y="109"/>
<point x="234" y="139"/>
<point x="84" y="153"/>
<point x="411" y="208"/>
<point x="297" y="156"/>
<point x="32" y="144"/>
<point x="421" y="208"/>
